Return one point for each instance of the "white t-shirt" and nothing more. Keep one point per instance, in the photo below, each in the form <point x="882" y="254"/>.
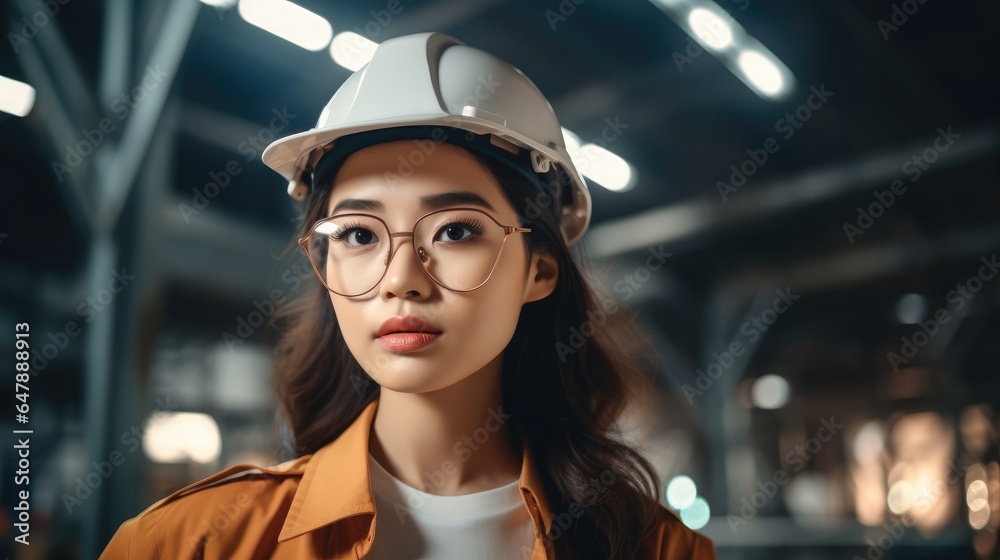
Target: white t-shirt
<point x="412" y="524"/>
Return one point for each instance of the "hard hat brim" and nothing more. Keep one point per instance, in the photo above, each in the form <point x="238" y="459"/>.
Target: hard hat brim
<point x="287" y="156"/>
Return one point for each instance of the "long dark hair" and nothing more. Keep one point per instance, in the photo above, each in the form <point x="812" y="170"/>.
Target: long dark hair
<point x="575" y="364"/>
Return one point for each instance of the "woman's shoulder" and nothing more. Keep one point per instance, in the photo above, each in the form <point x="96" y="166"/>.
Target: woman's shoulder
<point x="241" y="498"/>
<point x="674" y="540"/>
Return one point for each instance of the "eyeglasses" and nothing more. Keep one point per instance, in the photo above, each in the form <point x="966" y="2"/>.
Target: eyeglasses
<point x="458" y="248"/>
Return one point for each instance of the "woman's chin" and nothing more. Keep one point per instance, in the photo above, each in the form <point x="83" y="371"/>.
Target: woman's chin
<point x="411" y="381"/>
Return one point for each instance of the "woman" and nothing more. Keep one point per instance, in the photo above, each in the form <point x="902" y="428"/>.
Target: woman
<point x="442" y="399"/>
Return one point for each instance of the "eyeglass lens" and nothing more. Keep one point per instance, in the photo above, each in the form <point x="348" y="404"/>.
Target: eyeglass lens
<point x="457" y="248"/>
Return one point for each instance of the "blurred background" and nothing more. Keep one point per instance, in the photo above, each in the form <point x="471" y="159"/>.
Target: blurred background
<point x="820" y="178"/>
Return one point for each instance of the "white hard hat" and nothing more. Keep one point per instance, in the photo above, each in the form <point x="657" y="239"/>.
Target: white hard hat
<point x="429" y="80"/>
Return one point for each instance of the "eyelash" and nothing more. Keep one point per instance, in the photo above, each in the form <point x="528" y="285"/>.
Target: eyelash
<point x="475" y="225"/>
<point x="343" y="231"/>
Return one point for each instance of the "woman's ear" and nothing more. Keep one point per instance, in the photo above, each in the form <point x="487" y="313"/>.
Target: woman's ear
<point x="542" y="276"/>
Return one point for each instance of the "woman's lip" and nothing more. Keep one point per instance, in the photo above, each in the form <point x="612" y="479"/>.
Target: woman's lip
<point x="406" y="341"/>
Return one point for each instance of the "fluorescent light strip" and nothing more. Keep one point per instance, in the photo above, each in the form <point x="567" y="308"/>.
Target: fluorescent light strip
<point x="746" y="57"/>
<point x="710" y="28"/>
<point x="352" y="51"/>
<point x="289" y="21"/>
<point x="16" y="98"/>
<point x="599" y="164"/>
<point x="225" y="4"/>
<point x="761" y="71"/>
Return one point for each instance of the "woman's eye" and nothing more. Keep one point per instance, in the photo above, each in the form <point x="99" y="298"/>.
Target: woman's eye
<point x="454" y="232"/>
<point x="356" y="237"/>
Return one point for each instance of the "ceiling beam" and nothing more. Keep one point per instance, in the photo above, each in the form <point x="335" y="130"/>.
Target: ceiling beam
<point x="53" y="122"/>
<point x="116" y="174"/>
<point x="694" y="218"/>
<point x="115" y="49"/>
<point x="63" y="70"/>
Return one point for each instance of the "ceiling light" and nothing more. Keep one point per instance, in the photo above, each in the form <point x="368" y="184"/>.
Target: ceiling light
<point x="289" y="21"/>
<point x="762" y="72"/>
<point x="16" y="98"/>
<point x="710" y="29"/>
<point x="352" y="51"/>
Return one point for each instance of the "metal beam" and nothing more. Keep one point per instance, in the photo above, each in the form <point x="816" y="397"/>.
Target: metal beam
<point x="98" y="360"/>
<point x="126" y="493"/>
<point x="117" y="167"/>
<point x="116" y="175"/>
<point x="217" y="252"/>
<point x="70" y="85"/>
<point x="53" y="118"/>
<point x="722" y="415"/>
<point x="215" y="127"/>
<point x="115" y="49"/>
<point x="694" y="218"/>
<point x="829" y="272"/>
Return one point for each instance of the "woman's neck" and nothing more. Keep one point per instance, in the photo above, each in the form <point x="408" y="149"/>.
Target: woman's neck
<point x="448" y="442"/>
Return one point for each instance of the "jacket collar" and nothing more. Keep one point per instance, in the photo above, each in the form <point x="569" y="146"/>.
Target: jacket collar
<point x="337" y="483"/>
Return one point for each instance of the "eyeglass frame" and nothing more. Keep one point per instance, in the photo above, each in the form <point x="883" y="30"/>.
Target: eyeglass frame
<point x="508" y="230"/>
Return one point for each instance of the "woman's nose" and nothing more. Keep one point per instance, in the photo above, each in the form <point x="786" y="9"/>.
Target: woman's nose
<point x="404" y="276"/>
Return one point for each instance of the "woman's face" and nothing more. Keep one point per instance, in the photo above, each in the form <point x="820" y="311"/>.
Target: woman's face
<point x="475" y="326"/>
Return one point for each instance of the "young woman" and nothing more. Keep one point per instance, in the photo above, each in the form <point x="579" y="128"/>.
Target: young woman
<point x="453" y="382"/>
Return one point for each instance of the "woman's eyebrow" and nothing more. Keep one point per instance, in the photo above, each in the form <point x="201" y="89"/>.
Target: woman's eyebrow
<point x="429" y="202"/>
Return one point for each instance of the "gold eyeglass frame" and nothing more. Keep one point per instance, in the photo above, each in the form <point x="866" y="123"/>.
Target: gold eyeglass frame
<point x="420" y="252"/>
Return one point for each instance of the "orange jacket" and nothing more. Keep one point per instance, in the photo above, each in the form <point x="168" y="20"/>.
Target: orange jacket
<point x="318" y="506"/>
